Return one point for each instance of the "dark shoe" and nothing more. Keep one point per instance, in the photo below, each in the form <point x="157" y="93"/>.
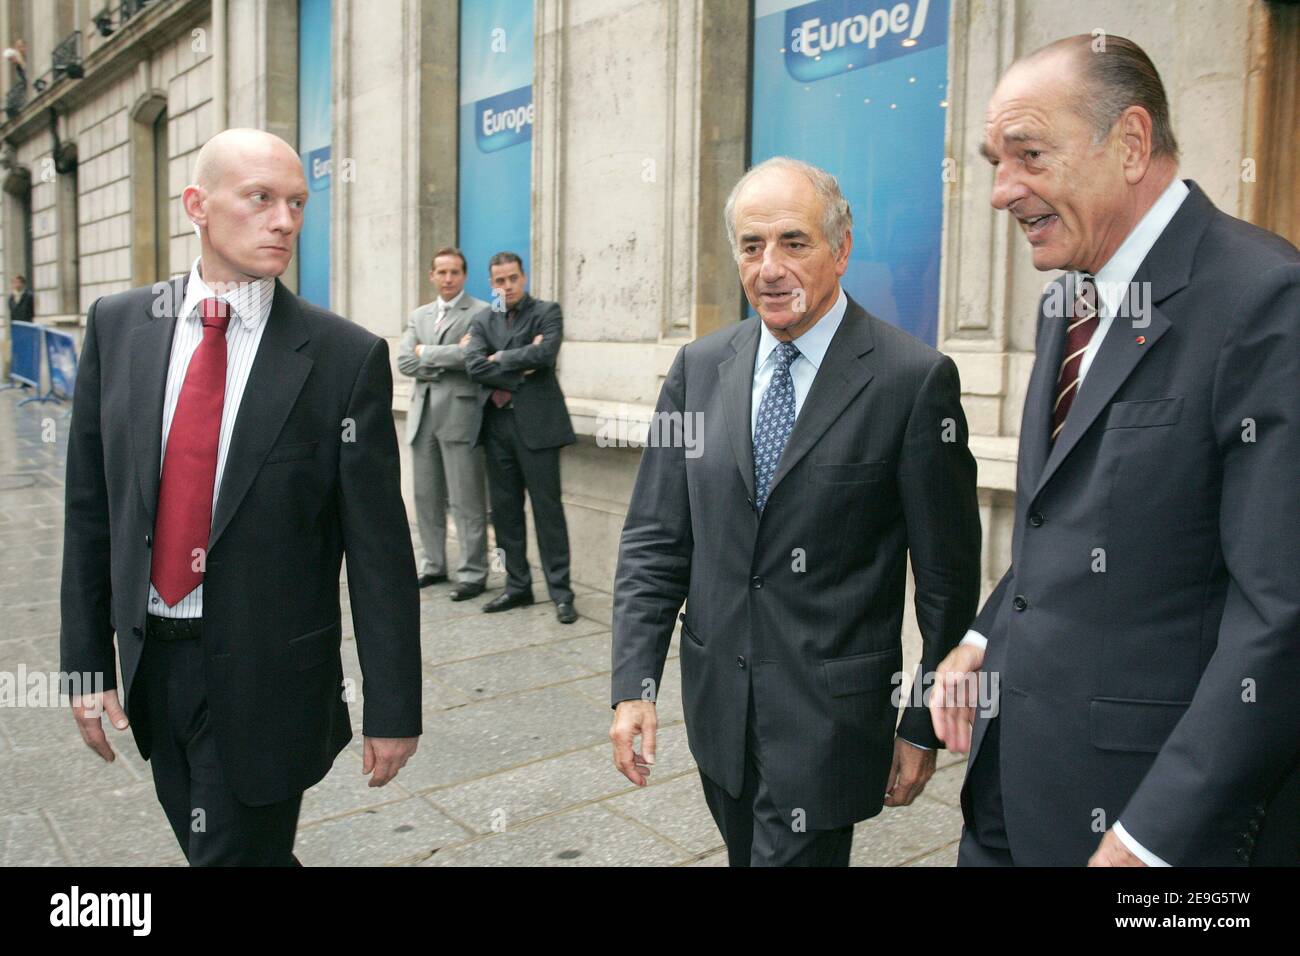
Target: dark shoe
<point x="505" y="602"/>
<point x="565" y="614"/>
<point x="427" y="579"/>
<point x="464" y="591"/>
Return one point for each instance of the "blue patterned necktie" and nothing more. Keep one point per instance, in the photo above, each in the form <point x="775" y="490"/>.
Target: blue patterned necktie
<point x="775" y="421"/>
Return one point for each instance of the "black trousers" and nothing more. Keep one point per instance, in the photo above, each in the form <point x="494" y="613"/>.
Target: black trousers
<point x="755" y="830"/>
<point x="512" y="469"/>
<point x="211" y="824"/>
<point x="984" y="843"/>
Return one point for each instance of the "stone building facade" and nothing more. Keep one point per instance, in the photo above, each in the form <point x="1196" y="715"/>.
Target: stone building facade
<point x="94" y="166"/>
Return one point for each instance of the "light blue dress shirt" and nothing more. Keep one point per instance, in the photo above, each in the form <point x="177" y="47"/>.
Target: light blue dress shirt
<point x="812" y="347"/>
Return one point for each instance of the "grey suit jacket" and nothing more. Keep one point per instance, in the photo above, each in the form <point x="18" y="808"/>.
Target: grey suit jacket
<point x="1147" y="633"/>
<point x="804" y="602"/>
<point x="455" y="402"/>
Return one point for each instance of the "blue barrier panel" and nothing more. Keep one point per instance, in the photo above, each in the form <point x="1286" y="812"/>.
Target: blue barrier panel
<point x="25" y="365"/>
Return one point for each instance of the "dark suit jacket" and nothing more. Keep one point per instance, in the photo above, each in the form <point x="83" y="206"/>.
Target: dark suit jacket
<point x="806" y="600"/>
<point x="311" y="474"/>
<point x="540" y="411"/>
<point x="1124" y="690"/>
<point x="20" y="307"/>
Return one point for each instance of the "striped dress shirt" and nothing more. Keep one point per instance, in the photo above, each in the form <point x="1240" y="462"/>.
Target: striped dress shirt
<point x="250" y="304"/>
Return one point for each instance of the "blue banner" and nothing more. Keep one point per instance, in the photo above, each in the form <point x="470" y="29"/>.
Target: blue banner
<point x="315" y="85"/>
<point x="860" y="89"/>
<point x="61" y="354"/>
<point x="496" y="128"/>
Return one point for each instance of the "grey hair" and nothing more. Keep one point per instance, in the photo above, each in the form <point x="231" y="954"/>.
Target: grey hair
<point x="1117" y="74"/>
<point x="837" y="219"/>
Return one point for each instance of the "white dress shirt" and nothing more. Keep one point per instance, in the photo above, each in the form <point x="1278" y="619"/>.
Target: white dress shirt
<point x="250" y="304"/>
<point x="1112" y="288"/>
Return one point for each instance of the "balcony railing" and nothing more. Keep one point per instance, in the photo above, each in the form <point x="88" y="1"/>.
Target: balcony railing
<point x="67" y="56"/>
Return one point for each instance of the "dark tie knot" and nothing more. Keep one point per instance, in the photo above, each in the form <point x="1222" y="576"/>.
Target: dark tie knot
<point x="215" y="313"/>
<point x="786" y="353"/>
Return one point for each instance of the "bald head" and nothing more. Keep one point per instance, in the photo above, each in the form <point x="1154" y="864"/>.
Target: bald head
<point x="247" y="199"/>
<point x="236" y="148"/>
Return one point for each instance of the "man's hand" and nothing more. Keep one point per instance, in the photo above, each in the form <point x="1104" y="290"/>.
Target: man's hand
<point x="954" y="695"/>
<point x="385" y="756"/>
<point x="464" y="340"/>
<point x="419" y="347"/>
<point x="86" y="711"/>
<point x="1112" y="852"/>
<point x="908" y="774"/>
<point x="633" y="718"/>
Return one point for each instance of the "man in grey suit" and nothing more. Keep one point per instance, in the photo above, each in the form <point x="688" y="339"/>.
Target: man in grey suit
<point x="442" y="428"/>
<point x="1146" y="637"/>
<point x="827" y="446"/>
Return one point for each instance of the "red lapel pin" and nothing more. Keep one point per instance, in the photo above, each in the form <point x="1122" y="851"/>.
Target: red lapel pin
<point x="1142" y="340"/>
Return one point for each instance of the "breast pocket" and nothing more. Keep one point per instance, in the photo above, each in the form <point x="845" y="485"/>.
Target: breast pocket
<point x="1145" y="414"/>
<point x="851" y="473"/>
<point x="296" y="451"/>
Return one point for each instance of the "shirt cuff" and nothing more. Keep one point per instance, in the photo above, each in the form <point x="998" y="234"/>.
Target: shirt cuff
<point x="977" y="639"/>
<point x="917" y="746"/>
<point x="1136" y="848"/>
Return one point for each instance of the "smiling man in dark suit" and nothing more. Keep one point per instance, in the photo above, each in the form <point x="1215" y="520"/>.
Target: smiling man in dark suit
<point x="230" y="443"/>
<point x="1147" y="634"/>
<point x="832" y="445"/>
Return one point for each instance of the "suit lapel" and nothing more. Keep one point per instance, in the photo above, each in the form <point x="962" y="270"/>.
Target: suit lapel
<point x="1167" y="268"/>
<point x="277" y="376"/>
<point x="1118" y="356"/>
<point x="1040" y="398"/>
<point x="842" y="375"/>
<point x="736" y="379"/>
<point x="151" y="349"/>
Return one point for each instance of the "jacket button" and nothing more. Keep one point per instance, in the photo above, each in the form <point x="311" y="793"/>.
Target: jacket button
<point x="1036" y="519"/>
<point x="1019" y="603"/>
<point x="148" y="541"/>
<point x="138" y="631"/>
<point x="756" y="582"/>
<point x="740" y="662"/>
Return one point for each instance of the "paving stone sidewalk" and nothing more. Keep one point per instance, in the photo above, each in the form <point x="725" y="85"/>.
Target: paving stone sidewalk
<point x="514" y="767"/>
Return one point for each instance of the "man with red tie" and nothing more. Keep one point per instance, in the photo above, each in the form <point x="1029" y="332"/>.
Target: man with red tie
<point x="230" y="443"/>
<point x="1135" y="669"/>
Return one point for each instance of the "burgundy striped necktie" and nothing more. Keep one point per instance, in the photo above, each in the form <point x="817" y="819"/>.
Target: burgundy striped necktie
<point x="189" y="470"/>
<point x="1083" y="323"/>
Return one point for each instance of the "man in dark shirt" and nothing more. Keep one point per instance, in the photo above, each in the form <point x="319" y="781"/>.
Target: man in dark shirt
<point x="512" y="350"/>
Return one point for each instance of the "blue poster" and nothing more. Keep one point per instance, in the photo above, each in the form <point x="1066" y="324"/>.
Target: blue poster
<point x="315" y="83"/>
<point x="496" y="132"/>
<point x="61" y="353"/>
<point x="25" y="359"/>
<point x="860" y="89"/>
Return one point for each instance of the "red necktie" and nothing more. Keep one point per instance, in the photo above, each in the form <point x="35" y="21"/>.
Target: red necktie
<point x="500" y="396"/>
<point x="1083" y="323"/>
<point x="189" y="470"/>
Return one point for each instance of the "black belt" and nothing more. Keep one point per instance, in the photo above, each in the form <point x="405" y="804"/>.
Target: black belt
<point x="173" y="628"/>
